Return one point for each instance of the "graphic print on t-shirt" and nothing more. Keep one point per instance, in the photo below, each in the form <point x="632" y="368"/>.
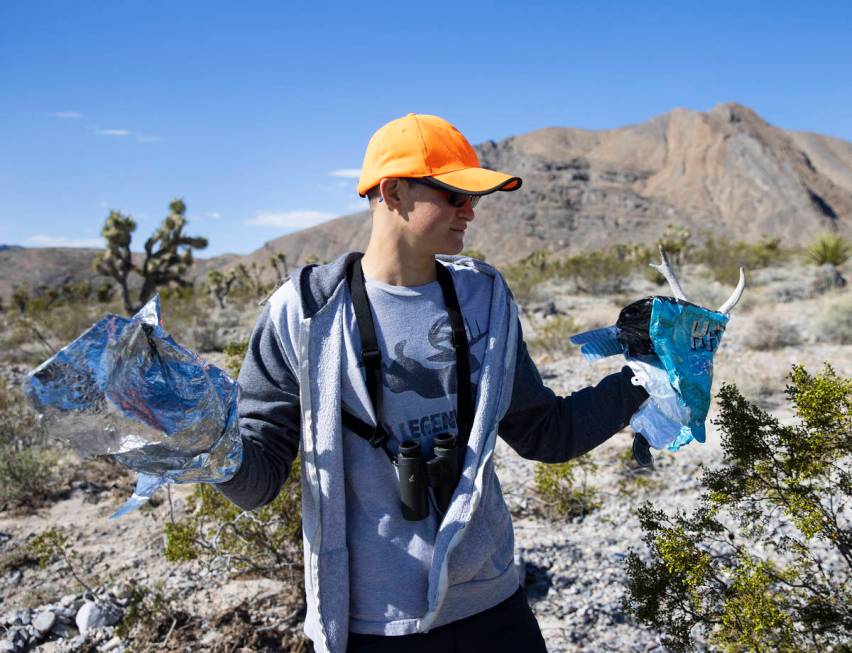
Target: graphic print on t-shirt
<point x="418" y="373"/>
<point x="404" y="374"/>
<point x="434" y="410"/>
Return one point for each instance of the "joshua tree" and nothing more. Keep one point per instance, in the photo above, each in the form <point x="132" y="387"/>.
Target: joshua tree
<point x="168" y="254"/>
<point x="278" y="263"/>
<point x="220" y="284"/>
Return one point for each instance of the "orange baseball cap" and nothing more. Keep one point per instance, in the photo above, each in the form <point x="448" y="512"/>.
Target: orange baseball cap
<point x="420" y="146"/>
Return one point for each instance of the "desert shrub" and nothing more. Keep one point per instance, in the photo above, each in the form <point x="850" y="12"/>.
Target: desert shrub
<point x="527" y="273"/>
<point x="235" y="352"/>
<point x="52" y="544"/>
<point x="186" y="313"/>
<point x="564" y="488"/>
<point x="603" y="271"/>
<point x="478" y="254"/>
<point x="598" y="272"/>
<point x="767" y="334"/>
<point x="764" y="563"/>
<point x="551" y="335"/>
<point x="51" y="317"/>
<point x="724" y="257"/>
<point x="829" y="248"/>
<point x="149" y="615"/>
<point x="27" y="465"/>
<point x="26" y="476"/>
<point x="675" y="240"/>
<point x="632" y="478"/>
<point x="267" y="540"/>
<point x="19" y="426"/>
<point x="834" y="325"/>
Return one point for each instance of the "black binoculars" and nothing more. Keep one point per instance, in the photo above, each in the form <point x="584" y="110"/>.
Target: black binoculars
<point x="416" y="476"/>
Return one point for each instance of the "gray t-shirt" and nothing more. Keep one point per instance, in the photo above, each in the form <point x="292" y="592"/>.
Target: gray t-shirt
<point x="419" y="395"/>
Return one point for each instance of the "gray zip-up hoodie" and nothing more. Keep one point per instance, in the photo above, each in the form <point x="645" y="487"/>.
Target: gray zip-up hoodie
<point x="290" y="387"/>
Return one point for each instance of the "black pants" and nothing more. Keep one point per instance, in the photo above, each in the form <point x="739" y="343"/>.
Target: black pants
<point x="508" y="626"/>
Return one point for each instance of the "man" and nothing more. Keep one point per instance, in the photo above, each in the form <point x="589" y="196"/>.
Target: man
<point x="351" y="359"/>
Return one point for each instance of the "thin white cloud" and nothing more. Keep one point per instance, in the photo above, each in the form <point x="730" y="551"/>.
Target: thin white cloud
<point x="68" y="115"/>
<point x="204" y="217"/>
<point x="348" y="173"/>
<point x="360" y="205"/>
<point x="289" y="219"/>
<point x="112" y="132"/>
<point x="42" y="240"/>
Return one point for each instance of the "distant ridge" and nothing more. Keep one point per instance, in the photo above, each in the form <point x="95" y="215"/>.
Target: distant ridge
<point x="724" y="172"/>
<point x="53" y="266"/>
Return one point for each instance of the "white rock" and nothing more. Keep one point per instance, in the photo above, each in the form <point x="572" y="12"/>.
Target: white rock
<point x="112" y="644"/>
<point x="44" y="621"/>
<point x="93" y="615"/>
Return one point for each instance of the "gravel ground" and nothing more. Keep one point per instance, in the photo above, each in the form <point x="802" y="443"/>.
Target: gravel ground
<point x="575" y="574"/>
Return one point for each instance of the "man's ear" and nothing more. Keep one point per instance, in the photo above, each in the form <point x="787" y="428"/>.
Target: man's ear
<point x="390" y="190"/>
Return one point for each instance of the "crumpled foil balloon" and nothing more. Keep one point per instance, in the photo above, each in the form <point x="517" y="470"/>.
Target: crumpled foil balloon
<point x="669" y="344"/>
<point x="125" y="388"/>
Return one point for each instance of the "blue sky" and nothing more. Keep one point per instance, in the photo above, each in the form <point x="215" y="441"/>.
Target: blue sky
<point x="256" y="113"/>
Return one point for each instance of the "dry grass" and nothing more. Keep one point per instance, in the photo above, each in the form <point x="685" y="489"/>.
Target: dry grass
<point x="835" y="324"/>
<point x="766" y="333"/>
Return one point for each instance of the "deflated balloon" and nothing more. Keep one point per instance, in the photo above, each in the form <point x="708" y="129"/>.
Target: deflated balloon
<point x="670" y="345"/>
<point x="125" y="388"/>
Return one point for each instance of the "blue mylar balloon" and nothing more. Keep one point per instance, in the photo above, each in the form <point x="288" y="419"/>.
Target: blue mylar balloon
<point x="125" y="388"/>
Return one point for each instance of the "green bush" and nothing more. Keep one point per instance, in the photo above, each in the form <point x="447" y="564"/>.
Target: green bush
<point x="598" y="272"/>
<point x="53" y="544"/>
<point x="552" y="336"/>
<point x="675" y="240"/>
<point x="748" y="569"/>
<point x="479" y="255"/>
<point x="266" y="541"/>
<point x="829" y="248"/>
<point x="149" y="617"/>
<point x="564" y="494"/>
<point x="235" y="353"/>
<point x="724" y="257"/>
<point x="632" y="477"/>
<point x="527" y="273"/>
<point x="603" y="271"/>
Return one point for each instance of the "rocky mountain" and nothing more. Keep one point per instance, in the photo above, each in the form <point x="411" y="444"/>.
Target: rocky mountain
<point x="723" y="172"/>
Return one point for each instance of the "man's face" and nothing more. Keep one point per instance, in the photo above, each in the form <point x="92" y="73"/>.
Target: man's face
<point x="433" y="225"/>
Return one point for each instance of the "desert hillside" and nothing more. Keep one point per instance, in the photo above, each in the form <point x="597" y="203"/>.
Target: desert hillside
<point x="725" y="172"/>
<point x="721" y="173"/>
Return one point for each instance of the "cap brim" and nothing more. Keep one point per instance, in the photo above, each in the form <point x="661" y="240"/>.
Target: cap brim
<point x="477" y="181"/>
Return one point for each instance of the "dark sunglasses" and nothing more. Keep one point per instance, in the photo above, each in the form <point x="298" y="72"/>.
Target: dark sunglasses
<point x="454" y="198"/>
